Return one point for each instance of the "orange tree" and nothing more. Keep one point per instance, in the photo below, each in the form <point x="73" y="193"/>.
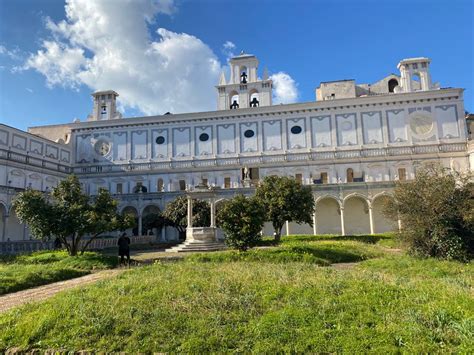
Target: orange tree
<point x="69" y="214"/>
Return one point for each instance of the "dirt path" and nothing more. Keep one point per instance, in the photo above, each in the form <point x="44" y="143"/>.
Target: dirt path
<point x="19" y="298"/>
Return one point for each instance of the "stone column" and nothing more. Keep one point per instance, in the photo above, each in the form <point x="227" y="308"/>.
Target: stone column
<point x="190" y="212"/>
<point x="5" y="223"/>
<point x="343" y="231"/>
<point x="140" y="224"/>
<point x="371" y="220"/>
<point x="315" y="229"/>
<point x="213" y="213"/>
<point x="287" y="225"/>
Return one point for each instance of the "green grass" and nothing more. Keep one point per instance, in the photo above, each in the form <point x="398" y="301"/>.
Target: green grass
<point x="40" y="268"/>
<point x="322" y="253"/>
<point x="215" y="302"/>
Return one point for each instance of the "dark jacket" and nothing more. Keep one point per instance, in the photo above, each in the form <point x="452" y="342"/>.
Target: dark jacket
<point x="124" y="244"/>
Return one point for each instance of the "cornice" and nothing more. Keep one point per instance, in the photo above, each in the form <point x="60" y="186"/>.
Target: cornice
<point x="275" y="110"/>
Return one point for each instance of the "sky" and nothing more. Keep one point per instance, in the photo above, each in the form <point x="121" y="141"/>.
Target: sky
<point x="167" y="55"/>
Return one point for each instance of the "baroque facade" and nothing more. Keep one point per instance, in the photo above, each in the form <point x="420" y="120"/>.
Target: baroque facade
<point x="349" y="145"/>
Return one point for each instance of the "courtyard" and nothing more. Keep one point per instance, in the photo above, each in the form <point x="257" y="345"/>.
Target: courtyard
<point x="308" y="294"/>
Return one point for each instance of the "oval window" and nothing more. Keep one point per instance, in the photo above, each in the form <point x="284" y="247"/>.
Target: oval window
<point x="204" y="137"/>
<point x="296" y="129"/>
<point x="160" y="140"/>
<point x="249" y="133"/>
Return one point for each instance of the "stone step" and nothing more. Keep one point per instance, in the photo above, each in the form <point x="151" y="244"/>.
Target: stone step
<point x="194" y="245"/>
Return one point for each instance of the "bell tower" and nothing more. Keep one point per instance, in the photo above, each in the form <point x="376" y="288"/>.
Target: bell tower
<point x="105" y="106"/>
<point x="244" y="88"/>
<point x="415" y="67"/>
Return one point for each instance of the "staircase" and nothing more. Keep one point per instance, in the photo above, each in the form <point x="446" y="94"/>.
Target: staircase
<point x="196" y="246"/>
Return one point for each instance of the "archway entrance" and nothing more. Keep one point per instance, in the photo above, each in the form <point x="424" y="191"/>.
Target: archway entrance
<point x="131" y="211"/>
<point x="381" y="223"/>
<point x="328" y="216"/>
<point x="356" y="216"/>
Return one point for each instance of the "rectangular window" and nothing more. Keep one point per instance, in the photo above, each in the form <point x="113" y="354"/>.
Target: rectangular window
<point x="299" y="178"/>
<point x="402" y="174"/>
<point x="119" y="188"/>
<point x="227" y="182"/>
<point x="254" y="174"/>
<point x="182" y="185"/>
<point x="324" y="178"/>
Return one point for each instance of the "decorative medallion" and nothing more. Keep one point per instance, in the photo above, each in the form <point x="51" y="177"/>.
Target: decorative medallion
<point x="102" y="147"/>
<point x="421" y="123"/>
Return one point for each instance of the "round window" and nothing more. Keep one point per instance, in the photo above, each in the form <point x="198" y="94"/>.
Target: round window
<point x="249" y="133"/>
<point x="160" y="140"/>
<point x="296" y="129"/>
<point x="204" y="137"/>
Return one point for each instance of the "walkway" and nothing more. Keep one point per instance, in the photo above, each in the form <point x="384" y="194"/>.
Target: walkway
<point x="19" y="298"/>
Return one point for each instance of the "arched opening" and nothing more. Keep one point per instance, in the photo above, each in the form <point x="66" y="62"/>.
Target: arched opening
<point x="130" y="210"/>
<point x="15" y="230"/>
<point x="350" y="175"/>
<point x="402" y="174"/>
<point x="356" y="216"/>
<point x="234" y="100"/>
<point x="416" y="81"/>
<point x="381" y="223"/>
<point x="328" y="216"/>
<point x="159" y="185"/>
<point x="392" y="83"/>
<point x="254" y="98"/>
<point x="140" y="188"/>
<point x="243" y="74"/>
<point x="3" y="212"/>
<point x="152" y="222"/>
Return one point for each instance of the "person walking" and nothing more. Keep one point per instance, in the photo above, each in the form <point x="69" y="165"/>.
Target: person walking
<point x="124" y="248"/>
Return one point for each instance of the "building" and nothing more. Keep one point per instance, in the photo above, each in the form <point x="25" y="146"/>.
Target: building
<point x="350" y="145"/>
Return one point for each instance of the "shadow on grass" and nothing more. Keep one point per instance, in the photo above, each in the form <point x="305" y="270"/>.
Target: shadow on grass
<point x="320" y="254"/>
<point x="368" y="239"/>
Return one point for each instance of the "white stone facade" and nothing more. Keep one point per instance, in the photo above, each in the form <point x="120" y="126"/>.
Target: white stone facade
<point x="350" y="145"/>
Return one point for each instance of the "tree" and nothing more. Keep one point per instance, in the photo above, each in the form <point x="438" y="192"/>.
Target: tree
<point x="153" y="220"/>
<point x="242" y="220"/>
<point x="436" y="211"/>
<point x="68" y="214"/>
<point x="284" y="199"/>
<point x="176" y="213"/>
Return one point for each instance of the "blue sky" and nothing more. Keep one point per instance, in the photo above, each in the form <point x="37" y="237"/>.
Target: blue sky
<point x="50" y="62"/>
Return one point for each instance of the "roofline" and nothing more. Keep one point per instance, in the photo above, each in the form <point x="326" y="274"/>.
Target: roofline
<point x="260" y="111"/>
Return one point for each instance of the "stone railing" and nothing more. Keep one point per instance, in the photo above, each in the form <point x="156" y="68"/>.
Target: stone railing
<point x="33" y="161"/>
<point x="29" y="246"/>
<point x="271" y="158"/>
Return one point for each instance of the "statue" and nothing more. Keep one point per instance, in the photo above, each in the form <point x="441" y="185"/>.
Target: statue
<point x="243" y="78"/>
<point x="234" y="105"/>
<point x="246" y="173"/>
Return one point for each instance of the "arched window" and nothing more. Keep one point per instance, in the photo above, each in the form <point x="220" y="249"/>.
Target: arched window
<point x="392" y="83"/>
<point x="243" y="75"/>
<point x="402" y="174"/>
<point x="254" y="98"/>
<point x="350" y="175"/>
<point x="234" y="100"/>
<point x="159" y="185"/>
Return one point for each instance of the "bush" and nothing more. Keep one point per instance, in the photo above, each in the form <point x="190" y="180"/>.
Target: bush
<point x="242" y="219"/>
<point x="437" y="214"/>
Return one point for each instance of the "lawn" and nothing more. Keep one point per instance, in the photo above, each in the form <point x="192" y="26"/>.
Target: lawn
<point x="223" y="302"/>
<point x="40" y="268"/>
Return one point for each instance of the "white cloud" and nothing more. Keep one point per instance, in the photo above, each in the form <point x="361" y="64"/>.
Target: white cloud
<point x="106" y="46"/>
<point x="284" y="88"/>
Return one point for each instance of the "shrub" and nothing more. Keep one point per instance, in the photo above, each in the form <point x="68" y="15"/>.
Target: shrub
<point x="436" y="212"/>
<point x="242" y="219"/>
